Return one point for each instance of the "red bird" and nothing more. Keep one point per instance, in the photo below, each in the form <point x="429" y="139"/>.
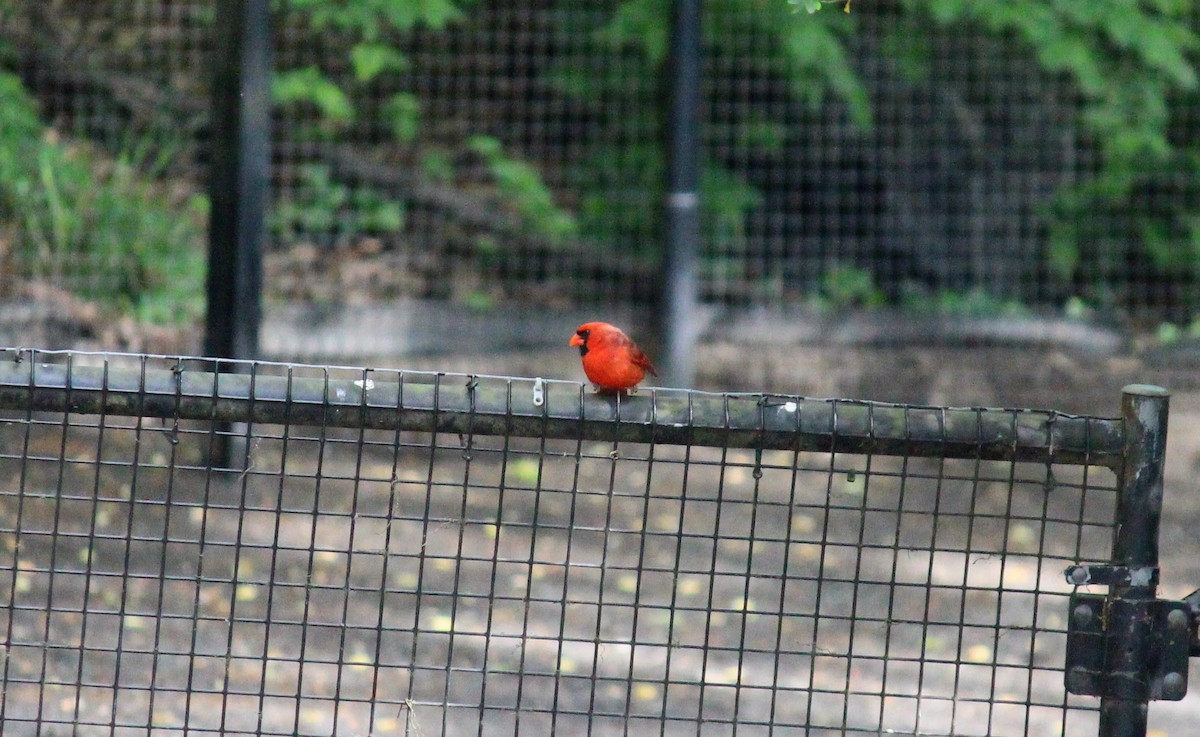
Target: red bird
<point x="611" y="360"/>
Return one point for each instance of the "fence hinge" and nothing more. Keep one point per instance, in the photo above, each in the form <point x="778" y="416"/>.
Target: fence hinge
<point x="1128" y="648"/>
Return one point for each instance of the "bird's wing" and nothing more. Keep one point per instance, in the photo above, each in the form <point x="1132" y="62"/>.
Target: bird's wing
<point x="640" y="359"/>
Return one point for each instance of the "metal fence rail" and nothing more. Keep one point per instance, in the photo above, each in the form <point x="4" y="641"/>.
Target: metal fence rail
<point x="189" y="547"/>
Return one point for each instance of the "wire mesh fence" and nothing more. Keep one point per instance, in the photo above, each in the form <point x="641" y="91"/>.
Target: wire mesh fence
<point x="488" y="154"/>
<point x="192" y="547"/>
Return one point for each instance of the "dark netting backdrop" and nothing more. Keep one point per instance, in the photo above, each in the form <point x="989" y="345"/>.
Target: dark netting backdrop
<point x="487" y="155"/>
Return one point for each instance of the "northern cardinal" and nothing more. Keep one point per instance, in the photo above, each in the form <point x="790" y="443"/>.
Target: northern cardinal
<point x="611" y="360"/>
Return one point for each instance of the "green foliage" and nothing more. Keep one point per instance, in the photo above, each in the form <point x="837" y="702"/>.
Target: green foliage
<point x="621" y="177"/>
<point x="375" y="23"/>
<point x="611" y="174"/>
<point x="478" y="300"/>
<point x="977" y="302"/>
<point x="309" y="85"/>
<point x="402" y="112"/>
<point x="1168" y="334"/>
<point x="816" y="63"/>
<point x="324" y="206"/>
<point x="812" y="6"/>
<point x="807" y="56"/>
<point x="644" y="24"/>
<point x="19" y="125"/>
<point x="606" y="177"/>
<point x="1131" y="67"/>
<point x="1135" y="67"/>
<point x="371" y="19"/>
<point x="522" y="186"/>
<point x="438" y="165"/>
<point x="844" y="286"/>
<point x="103" y="227"/>
<point x="373" y="59"/>
<point x="727" y="199"/>
<point x="369" y="30"/>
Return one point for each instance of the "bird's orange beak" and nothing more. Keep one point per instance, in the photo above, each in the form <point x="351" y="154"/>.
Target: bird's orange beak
<point x="576" y="340"/>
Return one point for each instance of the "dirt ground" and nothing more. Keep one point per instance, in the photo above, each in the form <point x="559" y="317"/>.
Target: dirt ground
<point x="402" y="573"/>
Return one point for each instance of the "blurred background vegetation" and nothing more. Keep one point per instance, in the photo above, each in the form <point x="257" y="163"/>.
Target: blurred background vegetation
<point x="935" y="155"/>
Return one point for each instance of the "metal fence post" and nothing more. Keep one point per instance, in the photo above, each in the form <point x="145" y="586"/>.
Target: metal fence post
<point x="1135" y="546"/>
<point x="238" y="176"/>
<point x="679" y="324"/>
<point x="239" y="172"/>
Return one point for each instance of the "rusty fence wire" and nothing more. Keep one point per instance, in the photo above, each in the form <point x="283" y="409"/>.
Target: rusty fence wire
<point x="199" y="547"/>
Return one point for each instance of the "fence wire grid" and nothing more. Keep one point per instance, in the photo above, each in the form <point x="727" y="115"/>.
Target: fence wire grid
<point x="400" y="553"/>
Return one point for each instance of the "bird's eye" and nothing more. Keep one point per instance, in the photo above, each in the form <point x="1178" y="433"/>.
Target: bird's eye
<point x="583" y="333"/>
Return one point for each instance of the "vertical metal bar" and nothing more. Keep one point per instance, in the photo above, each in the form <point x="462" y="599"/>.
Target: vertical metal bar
<point x="679" y="323"/>
<point x="1135" y="545"/>
<point x="670" y="675"/>
<point x="238" y="172"/>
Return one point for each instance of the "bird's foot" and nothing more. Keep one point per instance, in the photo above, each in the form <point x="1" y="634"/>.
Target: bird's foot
<point x="607" y="391"/>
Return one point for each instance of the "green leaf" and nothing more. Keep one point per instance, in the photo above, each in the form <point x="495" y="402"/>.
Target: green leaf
<point x="485" y="146"/>
<point x="755" y="132"/>
<point x="1191" y="224"/>
<point x="1063" y="249"/>
<point x="308" y="85"/>
<point x="817" y="60"/>
<point x="1168" y="333"/>
<point x="438" y="165"/>
<point x="402" y="111"/>
<point x="844" y="286"/>
<point x="478" y="300"/>
<point x="642" y="23"/>
<point x="319" y="205"/>
<point x="372" y="59"/>
<point x="522" y="187"/>
<point x="725" y="200"/>
<point x="403" y="16"/>
<point x="1077" y="55"/>
<point x="374" y="213"/>
<point x="1165" y="252"/>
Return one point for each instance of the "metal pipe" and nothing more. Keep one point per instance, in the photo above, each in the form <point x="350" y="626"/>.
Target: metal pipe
<point x="386" y="400"/>
<point x="1135" y="545"/>
<point x="238" y="177"/>
<point x="679" y="322"/>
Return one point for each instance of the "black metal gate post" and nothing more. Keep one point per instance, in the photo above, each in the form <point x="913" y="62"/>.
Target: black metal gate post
<point x="238" y="176"/>
<point x="239" y="172"/>
<point x="1135" y="547"/>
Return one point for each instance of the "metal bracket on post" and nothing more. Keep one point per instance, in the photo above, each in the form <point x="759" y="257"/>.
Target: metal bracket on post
<point x="1099" y="624"/>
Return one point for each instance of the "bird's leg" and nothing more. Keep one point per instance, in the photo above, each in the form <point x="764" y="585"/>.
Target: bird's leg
<point x="605" y="391"/>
